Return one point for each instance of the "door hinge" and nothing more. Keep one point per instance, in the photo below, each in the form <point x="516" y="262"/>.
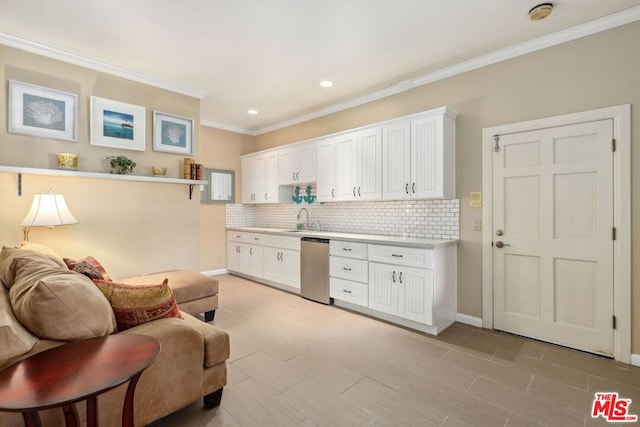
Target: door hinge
<point x="496" y="139"/>
<point x="614" y="322"/>
<point x="613" y="233"/>
<point x="613" y="145"/>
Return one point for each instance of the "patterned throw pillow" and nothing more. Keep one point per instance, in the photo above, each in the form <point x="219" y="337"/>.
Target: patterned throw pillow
<point x="84" y="266"/>
<point x="137" y="304"/>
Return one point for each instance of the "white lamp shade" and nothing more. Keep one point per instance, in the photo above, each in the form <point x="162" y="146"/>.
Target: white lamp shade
<point x="48" y="210"/>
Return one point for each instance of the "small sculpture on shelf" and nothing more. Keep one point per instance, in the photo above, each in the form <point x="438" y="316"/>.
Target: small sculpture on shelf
<point x="297" y="198"/>
<point x="121" y="165"/>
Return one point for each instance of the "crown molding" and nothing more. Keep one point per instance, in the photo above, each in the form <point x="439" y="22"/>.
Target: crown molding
<point x="83" y="61"/>
<point x="559" y="37"/>
<point x="222" y="126"/>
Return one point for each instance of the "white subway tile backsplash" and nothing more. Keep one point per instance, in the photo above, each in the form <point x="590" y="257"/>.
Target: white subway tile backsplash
<point x="431" y="219"/>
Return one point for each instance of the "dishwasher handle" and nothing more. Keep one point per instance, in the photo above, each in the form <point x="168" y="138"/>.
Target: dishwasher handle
<point x="315" y="240"/>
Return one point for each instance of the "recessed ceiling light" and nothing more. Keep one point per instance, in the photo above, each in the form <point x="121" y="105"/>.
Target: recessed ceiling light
<point x="326" y="83"/>
<point x="252" y="112"/>
<point x="541" y="11"/>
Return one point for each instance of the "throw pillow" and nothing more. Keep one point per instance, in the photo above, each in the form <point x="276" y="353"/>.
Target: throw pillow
<point x="59" y="304"/>
<point x="86" y="268"/>
<point x="137" y="304"/>
<point x="72" y="264"/>
<point x="8" y="257"/>
<point x="43" y="249"/>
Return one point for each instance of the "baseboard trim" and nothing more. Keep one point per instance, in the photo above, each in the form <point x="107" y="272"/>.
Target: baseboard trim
<point x="215" y="272"/>
<point x="635" y="359"/>
<point x="469" y="320"/>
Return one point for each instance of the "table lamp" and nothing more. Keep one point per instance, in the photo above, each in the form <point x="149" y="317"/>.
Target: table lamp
<point x="47" y="210"/>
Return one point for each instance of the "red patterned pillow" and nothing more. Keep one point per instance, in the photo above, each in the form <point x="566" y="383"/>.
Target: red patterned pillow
<point x="85" y="265"/>
<point x="137" y="304"/>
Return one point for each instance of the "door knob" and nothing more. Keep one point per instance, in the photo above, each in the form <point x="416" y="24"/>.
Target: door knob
<point x="499" y="232"/>
<point x="500" y="244"/>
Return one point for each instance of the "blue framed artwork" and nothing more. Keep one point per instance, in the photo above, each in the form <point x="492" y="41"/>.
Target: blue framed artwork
<point x="116" y="124"/>
<point x="172" y="134"/>
<point x="44" y="112"/>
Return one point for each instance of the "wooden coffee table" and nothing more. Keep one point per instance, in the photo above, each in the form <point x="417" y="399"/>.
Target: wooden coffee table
<point x="77" y="371"/>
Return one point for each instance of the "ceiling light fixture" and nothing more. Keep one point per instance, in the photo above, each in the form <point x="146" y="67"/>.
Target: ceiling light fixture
<point x="541" y="11"/>
<point x="326" y="83"/>
<point x="252" y="112"/>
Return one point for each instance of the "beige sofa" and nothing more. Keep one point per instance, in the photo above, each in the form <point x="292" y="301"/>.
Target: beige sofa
<point x="191" y="365"/>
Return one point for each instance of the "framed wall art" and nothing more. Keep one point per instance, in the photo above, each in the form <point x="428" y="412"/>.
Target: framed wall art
<point x="116" y="124"/>
<point x="40" y="111"/>
<point x="172" y="134"/>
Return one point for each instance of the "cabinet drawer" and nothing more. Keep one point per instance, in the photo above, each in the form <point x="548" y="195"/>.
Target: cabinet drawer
<point x="412" y="257"/>
<point x="282" y="242"/>
<point x="350" y="269"/>
<point x="348" y="249"/>
<point x="238" y="236"/>
<point x="352" y="292"/>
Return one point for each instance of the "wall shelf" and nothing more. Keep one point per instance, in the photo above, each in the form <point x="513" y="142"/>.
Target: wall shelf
<point x="97" y="175"/>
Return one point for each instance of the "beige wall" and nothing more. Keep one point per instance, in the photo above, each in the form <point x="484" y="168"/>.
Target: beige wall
<point x="131" y="227"/>
<point x="219" y="149"/>
<point x="589" y="73"/>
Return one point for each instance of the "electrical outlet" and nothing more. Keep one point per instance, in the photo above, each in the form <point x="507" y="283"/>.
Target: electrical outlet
<point x="477" y="225"/>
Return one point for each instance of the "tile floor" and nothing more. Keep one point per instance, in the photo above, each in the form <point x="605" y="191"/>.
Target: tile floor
<point x="299" y="363"/>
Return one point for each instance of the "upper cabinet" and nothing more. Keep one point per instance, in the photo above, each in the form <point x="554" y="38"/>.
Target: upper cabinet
<point x="260" y="179"/>
<point x="326" y="170"/>
<point x="359" y="165"/>
<point x="297" y="164"/>
<point x="419" y="157"/>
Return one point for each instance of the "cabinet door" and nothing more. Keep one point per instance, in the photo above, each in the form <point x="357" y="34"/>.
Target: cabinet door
<point x="270" y="178"/>
<point x="427" y="157"/>
<point x="287" y="165"/>
<point x="346" y="166"/>
<point x="272" y="264"/>
<point x="326" y="171"/>
<point x="256" y="261"/>
<point x="307" y="155"/>
<point x="238" y="257"/>
<point x="258" y="182"/>
<point x="415" y="294"/>
<point x="383" y="292"/>
<point x="290" y="268"/>
<point x="248" y="171"/>
<point x="369" y="165"/>
<point x="396" y="166"/>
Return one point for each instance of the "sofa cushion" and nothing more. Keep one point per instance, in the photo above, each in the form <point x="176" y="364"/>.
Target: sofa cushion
<point x="9" y="255"/>
<point x="59" y="304"/>
<point x="82" y="264"/>
<point x="43" y="249"/>
<point x="16" y="339"/>
<point x="186" y="285"/>
<point x="216" y="341"/>
<point x="137" y="304"/>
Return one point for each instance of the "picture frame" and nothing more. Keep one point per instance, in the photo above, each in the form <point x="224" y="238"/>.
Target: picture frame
<point x="117" y="124"/>
<point x="43" y="112"/>
<point x="172" y="134"/>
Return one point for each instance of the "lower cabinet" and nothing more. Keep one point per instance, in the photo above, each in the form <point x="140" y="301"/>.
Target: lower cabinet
<point x="269" y="258"/>
<point x="405" y="292"/>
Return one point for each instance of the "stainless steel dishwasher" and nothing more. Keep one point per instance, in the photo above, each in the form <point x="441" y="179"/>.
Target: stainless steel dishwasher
<point x="314" y="269"/>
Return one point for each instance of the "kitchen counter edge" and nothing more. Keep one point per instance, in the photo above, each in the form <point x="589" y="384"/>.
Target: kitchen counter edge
<point x="352" y="237"/>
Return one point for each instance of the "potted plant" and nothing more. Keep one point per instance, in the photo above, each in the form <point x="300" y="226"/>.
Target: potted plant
<point x="121" y="165"/>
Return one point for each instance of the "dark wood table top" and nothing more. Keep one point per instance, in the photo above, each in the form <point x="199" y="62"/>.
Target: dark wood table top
<point x="75" y="371"/>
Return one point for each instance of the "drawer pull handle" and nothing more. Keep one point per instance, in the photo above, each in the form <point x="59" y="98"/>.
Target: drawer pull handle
<point x="396" y="255"/>
<point x="346" y="249"/>
<point x="346" y="268"/>
<point x="256" y="238"/>
<point x="346" y="291"/>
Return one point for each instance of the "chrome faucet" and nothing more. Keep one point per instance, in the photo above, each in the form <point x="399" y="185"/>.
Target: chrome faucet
<point x="300" y="212"/>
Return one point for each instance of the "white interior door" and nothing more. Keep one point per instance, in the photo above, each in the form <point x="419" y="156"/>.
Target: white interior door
<point x="553" y="211"/>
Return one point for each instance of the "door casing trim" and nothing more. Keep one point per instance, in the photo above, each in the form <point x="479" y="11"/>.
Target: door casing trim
<point x="621" y="116"/>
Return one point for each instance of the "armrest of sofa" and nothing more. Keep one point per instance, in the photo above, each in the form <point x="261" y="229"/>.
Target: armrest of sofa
<point x="216" y="341"/>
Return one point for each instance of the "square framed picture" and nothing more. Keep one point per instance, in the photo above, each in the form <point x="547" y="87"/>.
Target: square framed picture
<point x="40" y="111"/>
<point x="172" y="134"/>
<point x="116" y="124"/>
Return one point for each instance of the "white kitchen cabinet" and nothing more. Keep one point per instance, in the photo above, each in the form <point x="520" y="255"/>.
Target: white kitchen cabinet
<point x="282" y="266"/>
<point x="419" y="157"/>
<point x="326" y="170"/>
<point x="260" y="179"/>
<point x="242" y="256"/>
<point x="348" y="272"/>
<point x="297" y="164"/>
<point x="359" y="165"/>
<point x="406" y="292"/>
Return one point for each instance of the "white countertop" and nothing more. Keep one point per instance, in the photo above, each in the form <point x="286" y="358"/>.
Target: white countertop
<point x="352" y="237"/>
